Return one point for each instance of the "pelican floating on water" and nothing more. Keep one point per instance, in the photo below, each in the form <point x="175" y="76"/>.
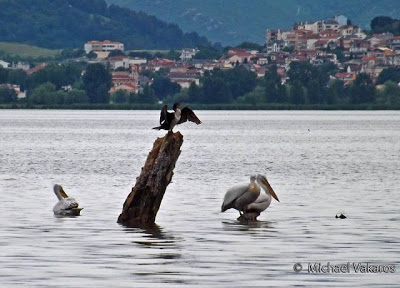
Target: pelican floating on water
<point x="168" y="120"/>
<point x="67" y="206"/>
<point x="249" y="197"/>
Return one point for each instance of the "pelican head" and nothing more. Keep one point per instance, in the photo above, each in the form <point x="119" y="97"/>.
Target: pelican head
<point x="59" y="191"/>
<point x="263" y="182"/>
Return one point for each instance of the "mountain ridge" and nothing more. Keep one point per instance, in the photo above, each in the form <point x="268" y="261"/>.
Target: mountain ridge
<point x="58" y="24"/>
<point x="232" y="22"/>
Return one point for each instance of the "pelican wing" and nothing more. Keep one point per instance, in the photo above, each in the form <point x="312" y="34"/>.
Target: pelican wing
<point x="65" y="204"/>
<point x="261" y="203"/>
<point x="232" y="194"/>
<point x="71" y="203"/>
<point x="187" y="114"/>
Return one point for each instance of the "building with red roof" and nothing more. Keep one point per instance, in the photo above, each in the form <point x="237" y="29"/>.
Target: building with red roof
<point x="35" y="69"/>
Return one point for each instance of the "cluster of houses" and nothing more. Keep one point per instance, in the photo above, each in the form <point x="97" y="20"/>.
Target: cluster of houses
<point x="125" y="70"/>
<point x="311" y="42"/>
<point x="19" y="65"/>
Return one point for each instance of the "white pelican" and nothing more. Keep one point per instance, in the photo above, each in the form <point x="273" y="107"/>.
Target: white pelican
<point x="66" y="205"/>
<point x="168" y="120"/>
<point x="264" y="199"/>
<point x="248" y="197"/>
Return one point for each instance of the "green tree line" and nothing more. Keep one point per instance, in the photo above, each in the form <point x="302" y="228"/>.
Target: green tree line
<point x="306" y="85"/>
<point x="76" y="82"/>
<point x="382" y="24"/>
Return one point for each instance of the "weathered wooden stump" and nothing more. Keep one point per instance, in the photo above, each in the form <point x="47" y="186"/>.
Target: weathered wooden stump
<point x="142" y="204"/>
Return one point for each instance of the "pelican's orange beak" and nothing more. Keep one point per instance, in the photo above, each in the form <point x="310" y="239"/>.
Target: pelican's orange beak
<point x="270" y="190"/>
<point x="62" y="193"/>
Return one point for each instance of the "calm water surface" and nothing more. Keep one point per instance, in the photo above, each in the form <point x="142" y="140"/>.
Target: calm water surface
<point x="319" y="163"/>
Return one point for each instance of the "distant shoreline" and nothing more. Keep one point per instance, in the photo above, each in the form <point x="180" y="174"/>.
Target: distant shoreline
<point x="275" y="106"/>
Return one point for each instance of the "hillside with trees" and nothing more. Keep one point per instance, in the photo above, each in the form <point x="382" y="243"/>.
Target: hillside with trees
<point x="60" y="24"/>
<point x="231" y="22"/>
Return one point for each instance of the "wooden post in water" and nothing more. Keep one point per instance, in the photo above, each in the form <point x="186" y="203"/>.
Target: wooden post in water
<point x="142" y="204"/>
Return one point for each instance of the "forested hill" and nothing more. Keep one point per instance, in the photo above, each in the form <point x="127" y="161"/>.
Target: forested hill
<point x="59" y="24"/>
<point x="234" y="21"/>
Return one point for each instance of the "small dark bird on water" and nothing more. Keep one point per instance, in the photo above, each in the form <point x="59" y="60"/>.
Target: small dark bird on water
<point x="168" y="120"/>
<point x="341" y="216"/>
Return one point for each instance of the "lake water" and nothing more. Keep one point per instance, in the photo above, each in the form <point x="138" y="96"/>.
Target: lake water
<point x="320" y="163"/>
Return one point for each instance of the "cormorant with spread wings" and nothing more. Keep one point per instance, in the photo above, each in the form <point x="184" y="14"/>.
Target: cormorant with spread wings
<point x="168" y="120"/>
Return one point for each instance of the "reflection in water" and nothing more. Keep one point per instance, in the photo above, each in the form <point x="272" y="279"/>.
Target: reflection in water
<point x="66" y="216"/>
<point x="161" y="249"/>
<point x="243" y="226"/>
<point x="151" y="236"/>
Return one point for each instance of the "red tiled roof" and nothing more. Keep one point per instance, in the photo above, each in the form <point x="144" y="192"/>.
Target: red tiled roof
<point x="381" y="44"/>
<point x="321" y="42"/>
<point x="342" y="74"/>
<point x="131" y="85"/>
<point x="242" y="54"/>
<point x="389" y="53"/>
<point x="369" y="59"/>
<point x="35" y="69"/>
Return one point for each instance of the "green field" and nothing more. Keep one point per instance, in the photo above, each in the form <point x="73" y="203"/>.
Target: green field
<point x="23" y="50"/>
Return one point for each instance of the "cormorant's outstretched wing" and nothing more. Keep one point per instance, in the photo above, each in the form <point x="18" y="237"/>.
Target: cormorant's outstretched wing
<point x="187" y="114"/>
<point x="163" y="114"/>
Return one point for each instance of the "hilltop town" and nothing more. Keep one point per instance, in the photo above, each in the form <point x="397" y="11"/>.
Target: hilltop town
<point x="335" y="43"/>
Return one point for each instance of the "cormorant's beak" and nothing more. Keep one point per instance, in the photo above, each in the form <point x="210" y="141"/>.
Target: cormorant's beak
<point x="269" y="188"/>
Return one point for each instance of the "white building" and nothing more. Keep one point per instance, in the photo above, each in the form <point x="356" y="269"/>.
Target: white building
<point x="315" y="27"/>
<point x="188" y="54"/>
<point x="21" y="65"/>
<point x="4" y="64"/>
<point x="319" y="26"/>
<point x="330" y="25"/>
<point x="124" y="61"/>
<point x="137" y="61"/>
<point x="103" y="46"/>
